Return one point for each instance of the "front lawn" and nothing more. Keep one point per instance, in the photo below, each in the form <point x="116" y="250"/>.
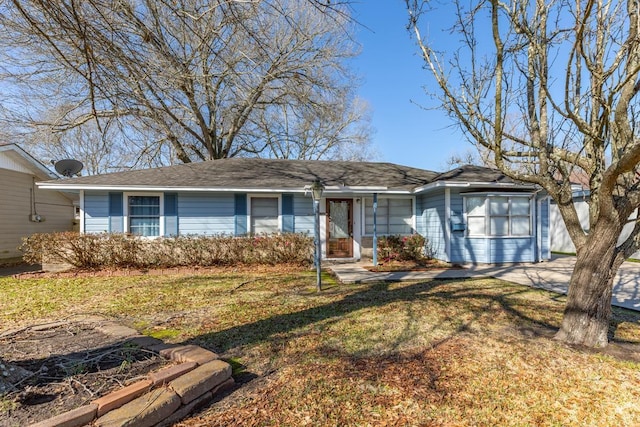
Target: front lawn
<point x="462" y="352"/>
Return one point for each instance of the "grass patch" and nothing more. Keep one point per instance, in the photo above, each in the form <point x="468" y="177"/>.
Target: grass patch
<point x="6" y="405"/>
<point x="458" y="352"/>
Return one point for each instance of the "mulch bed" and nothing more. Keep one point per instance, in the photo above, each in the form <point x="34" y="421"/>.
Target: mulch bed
<point x="159" y="271"/>
<point x="50" y="369"/>
<point x="424" y="265"/>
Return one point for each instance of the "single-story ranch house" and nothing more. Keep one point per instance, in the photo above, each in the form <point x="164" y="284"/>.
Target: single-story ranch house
<point x="469" y="215"/>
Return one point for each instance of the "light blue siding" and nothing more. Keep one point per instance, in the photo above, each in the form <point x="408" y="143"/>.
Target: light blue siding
<point x="206" y="214"/>
<point x="468" y="250"/>
<point x="511" y="249"/>
<point x="96" y="212"/>
<point x="303" y="219"/>
<point x="430" y="222"/>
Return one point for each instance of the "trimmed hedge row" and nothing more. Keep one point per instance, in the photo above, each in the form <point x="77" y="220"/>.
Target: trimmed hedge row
<point x="120" y="250"/>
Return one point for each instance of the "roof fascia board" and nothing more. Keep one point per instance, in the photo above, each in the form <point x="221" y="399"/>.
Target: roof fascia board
<point x="500" y="193"/>
<point x="460" y="184"/>
<point x="29" y="158"/>
<point x="328" y="190"/>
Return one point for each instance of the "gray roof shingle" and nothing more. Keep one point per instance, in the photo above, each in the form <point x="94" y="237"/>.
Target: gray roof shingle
<point x="471" y="173"/>
<point x="253" y="173"/>
<point x="293" y="175"/>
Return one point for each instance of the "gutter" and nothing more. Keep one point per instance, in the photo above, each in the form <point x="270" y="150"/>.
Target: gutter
<point x="462" y="184"/>
<point x="334" y="190"/>
<point x="328" y="189"/>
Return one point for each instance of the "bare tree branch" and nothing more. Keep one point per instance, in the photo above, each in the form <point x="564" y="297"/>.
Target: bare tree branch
<point x="198" y="75"/>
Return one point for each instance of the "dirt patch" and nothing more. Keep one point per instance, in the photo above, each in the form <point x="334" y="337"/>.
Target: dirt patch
<point x="50" y="369"/>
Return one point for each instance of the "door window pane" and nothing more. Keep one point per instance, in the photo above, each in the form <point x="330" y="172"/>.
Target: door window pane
<point x="339" y="220"/>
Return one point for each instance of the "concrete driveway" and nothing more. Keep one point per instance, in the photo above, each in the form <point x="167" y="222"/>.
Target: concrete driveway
<point x="552" y="275"/>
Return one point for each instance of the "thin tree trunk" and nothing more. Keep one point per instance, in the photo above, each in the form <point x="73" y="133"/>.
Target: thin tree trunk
<point x="588" y="310"/>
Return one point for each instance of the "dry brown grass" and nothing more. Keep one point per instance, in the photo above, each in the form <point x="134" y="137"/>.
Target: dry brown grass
<point x="441" y="353"/>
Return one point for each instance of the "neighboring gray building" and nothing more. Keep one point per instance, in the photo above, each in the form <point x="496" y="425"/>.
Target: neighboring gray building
<point x="25" y="208"/>
<point x="469" y="214"/>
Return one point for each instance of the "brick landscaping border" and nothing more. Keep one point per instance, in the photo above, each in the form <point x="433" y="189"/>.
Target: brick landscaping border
<point x="163" y="397"/>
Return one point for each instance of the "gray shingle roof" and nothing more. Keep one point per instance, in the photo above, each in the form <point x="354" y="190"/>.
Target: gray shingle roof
<point x="293" y="175"/>
<point x="254" y="173"/>
<point x="470" y="173"/>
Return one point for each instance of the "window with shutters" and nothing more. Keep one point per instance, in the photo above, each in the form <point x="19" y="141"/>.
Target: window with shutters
<point x="264" y="215"/>
<point x="143" y="215"/>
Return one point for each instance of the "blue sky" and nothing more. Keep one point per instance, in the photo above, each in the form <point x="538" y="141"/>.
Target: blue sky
<point x="393" y="81"/>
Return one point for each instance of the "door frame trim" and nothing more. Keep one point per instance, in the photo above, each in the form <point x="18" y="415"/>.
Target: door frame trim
<point x="351" y="226"/>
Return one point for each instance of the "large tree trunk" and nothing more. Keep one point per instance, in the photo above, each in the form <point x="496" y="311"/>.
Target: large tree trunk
<point x="588" y="310"/>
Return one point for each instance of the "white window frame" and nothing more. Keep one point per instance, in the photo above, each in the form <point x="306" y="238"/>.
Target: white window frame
<point x="252" y="196"/>
<point x="125" y="212"/>
<point x="487" y="215"/>
<point x="363" y="217"/>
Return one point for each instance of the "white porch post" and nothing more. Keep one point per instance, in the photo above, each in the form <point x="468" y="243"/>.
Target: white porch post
<point x="375" y="229"/>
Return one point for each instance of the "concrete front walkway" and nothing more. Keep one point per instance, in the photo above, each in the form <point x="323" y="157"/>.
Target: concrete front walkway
<point x="552" y="275"/>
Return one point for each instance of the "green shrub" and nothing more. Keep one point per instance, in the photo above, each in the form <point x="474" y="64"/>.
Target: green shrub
<point x="403" y="248"/>
<point x="120" y="250"/>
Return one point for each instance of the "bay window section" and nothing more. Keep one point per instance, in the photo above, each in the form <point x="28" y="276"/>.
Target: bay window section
<point x="394" y="216"/>
<point x="144" y="215"/>
<point x="498" y="216"/>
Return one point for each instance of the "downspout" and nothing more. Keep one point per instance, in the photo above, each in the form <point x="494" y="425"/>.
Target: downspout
<point x="33" y="213"/>
<point x="375" y="229"/>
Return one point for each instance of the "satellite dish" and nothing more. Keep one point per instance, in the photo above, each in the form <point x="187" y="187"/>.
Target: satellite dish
<point x="68" y="167"/>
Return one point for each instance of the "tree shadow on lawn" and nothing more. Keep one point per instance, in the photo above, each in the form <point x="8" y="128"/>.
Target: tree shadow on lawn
<point x="378" y="295"/>
<point x="277" y="329"/>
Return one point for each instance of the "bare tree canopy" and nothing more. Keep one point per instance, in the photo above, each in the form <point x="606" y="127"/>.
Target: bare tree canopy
<point x="552" y="85"/>
<point x="191" y="80"/>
